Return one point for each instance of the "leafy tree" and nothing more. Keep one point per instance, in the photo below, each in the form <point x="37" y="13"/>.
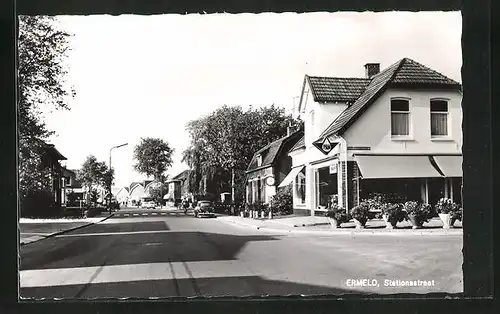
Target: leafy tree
<point x="153" y="157"/>
<point x="94" y="174"/>
<point x="42" y="47"/>
<point x="224" y="142"/>
<point x="158" y="191"/>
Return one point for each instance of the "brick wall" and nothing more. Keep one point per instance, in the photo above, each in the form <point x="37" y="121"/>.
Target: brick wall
<point x="355" y="183"/>
<point x="344" y="182"/>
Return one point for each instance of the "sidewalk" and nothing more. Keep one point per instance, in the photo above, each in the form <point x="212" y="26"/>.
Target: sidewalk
<point x="315" y="225"/>
<point x="32" y="230"/>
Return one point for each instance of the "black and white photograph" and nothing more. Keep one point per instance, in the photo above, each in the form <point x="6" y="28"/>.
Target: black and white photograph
<point x="242" y="155"/>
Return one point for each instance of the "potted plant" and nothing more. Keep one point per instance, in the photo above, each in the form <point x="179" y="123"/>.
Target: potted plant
<point x="456" y="214"/>
<point x="392" y="214"/>
<point x="336" y="216"/>
<point x="447" y="210"/>
<point x="417" y="213"/>
<point x="360" y="215"/>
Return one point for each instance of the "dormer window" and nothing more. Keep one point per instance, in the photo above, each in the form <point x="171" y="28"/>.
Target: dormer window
<point x="400" y="117"/>
<point x="439" y="118"/>
<point x="259" y="160"/>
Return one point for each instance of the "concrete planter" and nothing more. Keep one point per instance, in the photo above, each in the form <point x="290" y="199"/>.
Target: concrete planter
<point x="447" y="221"/>
<point x="415" y="222"/>
<point x="270" y="215"/>
<point x="334" y="223"/>
<point x="389" y="224"/>
<point x="359" y="224"/>
<point x="262" y="214"/>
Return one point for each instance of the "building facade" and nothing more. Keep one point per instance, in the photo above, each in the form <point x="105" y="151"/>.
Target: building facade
<point x="268" y="167"/>
<point x="395" y="132"/>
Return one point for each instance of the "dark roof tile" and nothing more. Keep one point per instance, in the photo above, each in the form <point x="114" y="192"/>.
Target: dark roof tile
<point x="271" y="151"/>
<point x="332" y="89"/>
<point x="405" y="71"/>
<point x="300" y="144"/>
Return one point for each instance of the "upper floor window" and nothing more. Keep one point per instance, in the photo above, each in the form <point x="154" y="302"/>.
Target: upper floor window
<point x="400" y="117"/>
<point x="259" y="160"/>
<point x="439" y="117"/>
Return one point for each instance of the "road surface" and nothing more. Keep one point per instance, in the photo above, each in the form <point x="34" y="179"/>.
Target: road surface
<point x="178" y="255"/>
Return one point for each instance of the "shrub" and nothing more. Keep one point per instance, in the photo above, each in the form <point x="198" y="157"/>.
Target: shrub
<point x="374" y="204"/>
<point x="39" y="204"/>
<point x="394" y="212"/>
<point x="361" y="212"/>
<point x="282" y="202"/>
<point x="422" y="212"/>
<point x="338" y="213"/>
<point x="392" y="198"/>
<point x="447" y="206"/>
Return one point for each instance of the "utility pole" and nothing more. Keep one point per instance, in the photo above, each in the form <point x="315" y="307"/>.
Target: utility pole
<point x="111" y="175"/>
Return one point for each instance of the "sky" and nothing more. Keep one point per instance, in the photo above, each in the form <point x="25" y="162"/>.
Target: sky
<point x="147" y="76"/>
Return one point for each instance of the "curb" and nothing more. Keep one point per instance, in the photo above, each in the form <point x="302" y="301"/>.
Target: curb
<point x="68" y="230"/>
<point x="352" y="233"/>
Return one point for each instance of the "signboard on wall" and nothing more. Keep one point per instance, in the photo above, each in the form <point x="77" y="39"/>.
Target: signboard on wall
<point x="333" y="168"/>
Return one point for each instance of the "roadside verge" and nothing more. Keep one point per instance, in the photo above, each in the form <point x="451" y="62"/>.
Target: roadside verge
<point x="37" y="236"/>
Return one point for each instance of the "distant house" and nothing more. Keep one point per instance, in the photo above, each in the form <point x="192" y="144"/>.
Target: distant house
<point x="50" y="159"/>
<point x="122" y="195"/>
<point x="178" y="187"/>
<point x="269" y="167"/>
<point x="71" y="185"/>
<point x="136" y="193"/>
<point x="395" y="132"/>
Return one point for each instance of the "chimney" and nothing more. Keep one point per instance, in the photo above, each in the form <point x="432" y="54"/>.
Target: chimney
<point x="371" y="69"/>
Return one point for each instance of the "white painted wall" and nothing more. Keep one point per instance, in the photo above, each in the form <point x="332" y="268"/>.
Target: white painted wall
<point x="137" y="192"/>
<point x="122" y="195"/>
<point x="324" y="114"/>
<point x="373" y="128"/>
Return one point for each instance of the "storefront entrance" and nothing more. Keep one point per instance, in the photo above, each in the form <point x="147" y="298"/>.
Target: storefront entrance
<point x="326" y="187"/>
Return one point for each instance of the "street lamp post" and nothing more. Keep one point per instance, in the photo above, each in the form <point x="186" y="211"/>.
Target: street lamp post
<point x="111" y="176"/>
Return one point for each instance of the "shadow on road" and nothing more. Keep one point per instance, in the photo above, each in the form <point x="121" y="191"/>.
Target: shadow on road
<point x="201" y="287"/>
<point x="123" y="249"/>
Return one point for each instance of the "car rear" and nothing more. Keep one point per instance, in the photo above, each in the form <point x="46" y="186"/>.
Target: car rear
<point x="204" y="209"/>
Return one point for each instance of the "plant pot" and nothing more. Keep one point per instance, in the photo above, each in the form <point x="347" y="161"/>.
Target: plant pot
<point x="415" y="222"/>
<point x="446" y="219"/>
<point x="389" y="223"/>
<point x="359" y="224"/>
<point x="452" y="222"/>
<point x="334" y="223"/>
<point x="270" y="215"/>
<point x="242" y="214"/>
<point x="262" y="214"/>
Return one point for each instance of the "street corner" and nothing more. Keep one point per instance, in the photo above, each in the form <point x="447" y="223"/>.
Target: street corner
<point x="244" y="222"/>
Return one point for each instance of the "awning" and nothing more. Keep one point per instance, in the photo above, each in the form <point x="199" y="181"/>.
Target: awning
<point x="290" y="176"/>
<point x="386" y="167"/>
<point x="451" y="166"/>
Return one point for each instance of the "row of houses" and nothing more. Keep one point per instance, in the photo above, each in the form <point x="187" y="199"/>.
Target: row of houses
<point x="396" y="131"/>
<point x="175" y="189"/>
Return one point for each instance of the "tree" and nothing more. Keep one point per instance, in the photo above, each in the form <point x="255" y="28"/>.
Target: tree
<point x="224" y="142"/>
<point x="42" y="47"/>
<point x="94" y="174"/>
<point x="153" y="157"/>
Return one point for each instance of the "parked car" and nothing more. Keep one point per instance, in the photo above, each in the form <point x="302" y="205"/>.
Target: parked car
<point x="204" y="209"/>
<point x="148" y="203"/>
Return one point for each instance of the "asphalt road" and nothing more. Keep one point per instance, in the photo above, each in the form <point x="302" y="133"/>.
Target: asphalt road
<point x="183" y="256"/>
